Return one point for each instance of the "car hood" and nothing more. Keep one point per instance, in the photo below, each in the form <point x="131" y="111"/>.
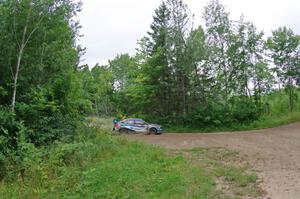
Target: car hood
<point x="155" y="125"/>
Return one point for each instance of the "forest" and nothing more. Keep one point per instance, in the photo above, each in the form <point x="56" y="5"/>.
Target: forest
<point x="221" y="74"/>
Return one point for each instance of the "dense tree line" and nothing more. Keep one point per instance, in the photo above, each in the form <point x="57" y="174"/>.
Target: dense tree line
<point x="213" y="75"/>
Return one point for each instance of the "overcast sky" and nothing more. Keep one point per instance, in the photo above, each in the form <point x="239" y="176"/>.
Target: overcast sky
<point x="111" y="27"/>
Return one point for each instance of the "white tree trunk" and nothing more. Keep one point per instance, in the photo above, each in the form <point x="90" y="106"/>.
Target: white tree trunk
<point x="16" y="76"/>
<point x="22" y="45"/>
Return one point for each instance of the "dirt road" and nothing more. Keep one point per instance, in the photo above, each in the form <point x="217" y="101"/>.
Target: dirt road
<point x="275" y="153"/>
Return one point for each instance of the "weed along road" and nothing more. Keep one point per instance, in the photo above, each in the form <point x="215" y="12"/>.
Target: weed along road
<point x="275" y="154"/>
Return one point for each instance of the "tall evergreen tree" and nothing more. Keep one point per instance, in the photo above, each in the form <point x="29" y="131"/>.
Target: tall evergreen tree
<point x="159" y="30"/>
<point x="157" y="67"/>
<point x="180" y="26"/>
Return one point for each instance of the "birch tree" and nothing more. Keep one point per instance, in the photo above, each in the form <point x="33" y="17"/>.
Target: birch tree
<point x="27" y="17"/>
<point x="285" y="47"/>
<point x="218" y="27"/>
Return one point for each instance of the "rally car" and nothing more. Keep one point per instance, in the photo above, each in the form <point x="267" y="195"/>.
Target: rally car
<point x="136" y="125"/>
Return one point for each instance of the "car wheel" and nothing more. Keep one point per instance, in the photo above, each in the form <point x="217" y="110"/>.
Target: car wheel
<point x="153" y="130"/>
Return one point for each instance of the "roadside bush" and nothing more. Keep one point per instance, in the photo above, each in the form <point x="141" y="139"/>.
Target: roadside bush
<point x="244" y="111"/>
<point x="65" y="154"/>
<point x="25" y="156"/>
<point x="46" y="120"/>
<point x="212" y="115"/>
<point x="3" y="166"/>
<point x="240" y="110"/>
<point x="9" y="129"/>
<point x="16" y="153"/>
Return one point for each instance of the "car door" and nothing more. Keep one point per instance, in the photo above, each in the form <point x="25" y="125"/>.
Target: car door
<point x="127" y="124"/>
<point x="140" y="126"/>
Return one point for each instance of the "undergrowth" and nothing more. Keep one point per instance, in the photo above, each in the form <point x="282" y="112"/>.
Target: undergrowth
<point x="99" y="165"/>
<point x="277" y="113"/>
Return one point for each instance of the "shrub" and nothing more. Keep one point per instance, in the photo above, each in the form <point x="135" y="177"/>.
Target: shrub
<point x="46" y="120"/>
<point x="244" y="110"/>
<point x="16" y="153"/>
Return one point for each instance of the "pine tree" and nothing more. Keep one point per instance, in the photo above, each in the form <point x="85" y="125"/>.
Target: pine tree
<point x="159" y="30"/>
<point x="180" y="26"/>
<point x="151" y="92"/>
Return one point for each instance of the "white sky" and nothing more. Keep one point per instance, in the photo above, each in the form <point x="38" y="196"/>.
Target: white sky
<point x="111" y="27"/>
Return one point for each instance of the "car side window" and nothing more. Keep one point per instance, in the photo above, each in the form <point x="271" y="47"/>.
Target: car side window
<point x="139" y="122"/>
<point x="130" y="122"/>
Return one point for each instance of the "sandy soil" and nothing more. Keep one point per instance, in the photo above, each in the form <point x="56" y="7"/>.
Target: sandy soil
<point x="275" y="153"/>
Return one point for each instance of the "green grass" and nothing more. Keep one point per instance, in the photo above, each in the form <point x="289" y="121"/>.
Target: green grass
<point x="270" y="121"/>
<point x="108" y="167"/>
<point x="99" y="165"/>
<point x="234" y="176"/>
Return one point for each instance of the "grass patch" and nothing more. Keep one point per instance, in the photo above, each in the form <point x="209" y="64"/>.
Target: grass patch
<point x="234" y="177"/>
<point x="99" y="165"/>
<point x="270" y="121"/>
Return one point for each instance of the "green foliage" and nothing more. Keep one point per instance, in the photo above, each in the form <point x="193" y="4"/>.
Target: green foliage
<point x="16" y="152"/>
<point x="97" y="87"/>
<point x="9" y="130"/>
<point x="276" y="111"/>
<point x="285" y="47"/>
<point x="212" y="77"/>
<point x="245" y="111"/>
<point x="217" y="76"/>
<point x="97" y="164"/>
<point x="41" y="92"/>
